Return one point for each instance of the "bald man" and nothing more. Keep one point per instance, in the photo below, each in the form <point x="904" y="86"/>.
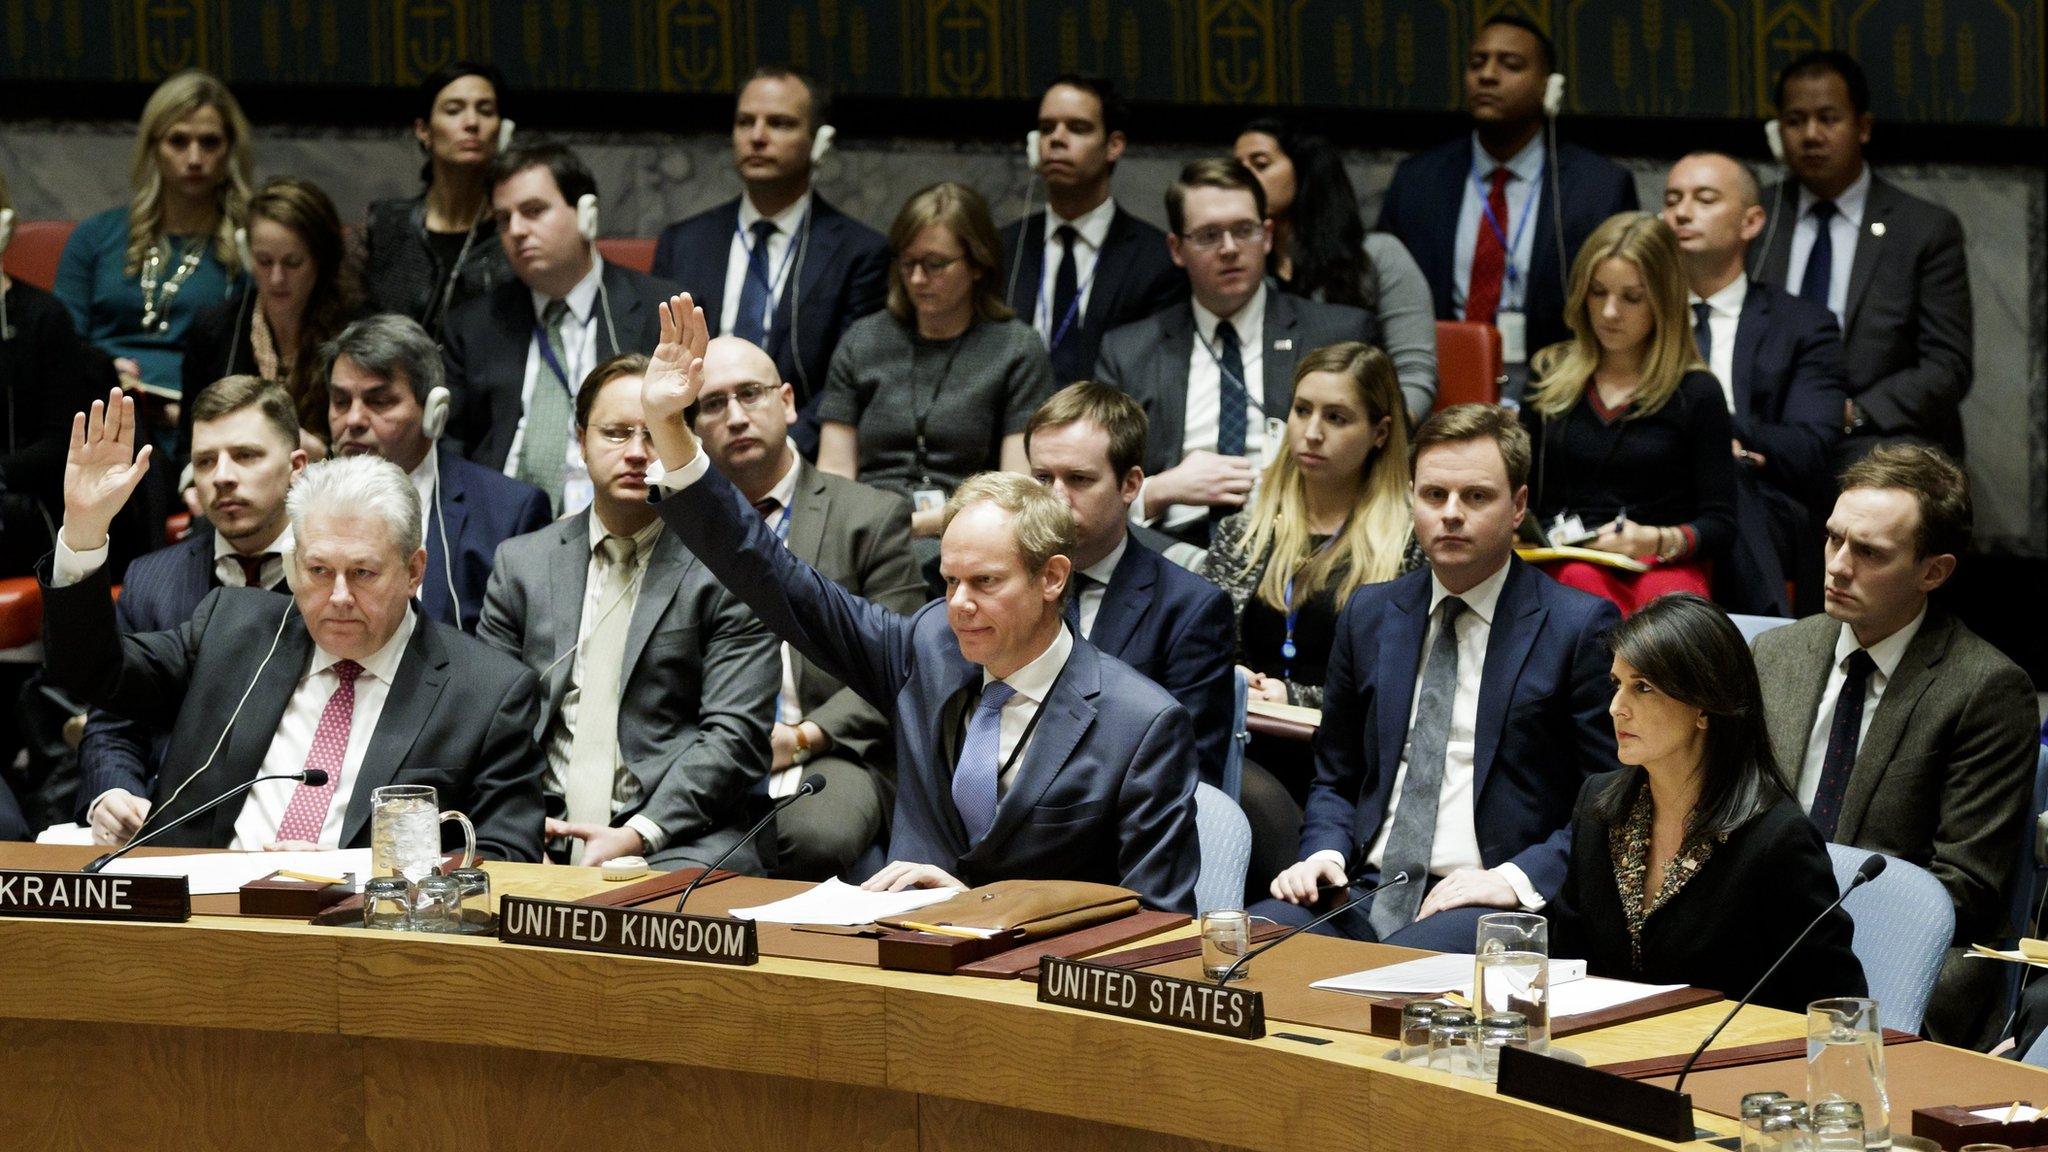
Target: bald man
<point x="857" y="536"/>
<point x="1779" y="361"/>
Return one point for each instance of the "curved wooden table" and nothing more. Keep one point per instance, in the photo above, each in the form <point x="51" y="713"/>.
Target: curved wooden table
<point x="234" y="1033"/>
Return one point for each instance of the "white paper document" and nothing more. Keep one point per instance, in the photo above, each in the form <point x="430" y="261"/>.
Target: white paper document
<point x="1432" y="976"/>
<point x="836" y="902"/>
<point x="214" y="873"/>
<point x="1598" y="993"/>
<point x="74" y="834"/>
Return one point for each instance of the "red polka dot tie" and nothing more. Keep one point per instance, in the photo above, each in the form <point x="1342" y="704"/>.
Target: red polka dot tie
<point x="307" y="812"/>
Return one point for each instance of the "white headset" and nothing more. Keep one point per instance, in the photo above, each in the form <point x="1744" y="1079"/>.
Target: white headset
<point x="586" y="226"/>
<point x="821" y="143"/>
<point x="433" y="422"/>
<point x="1553" y="103"/>
<point x="1031" y="158"/>
<point x="821" y="146"/>
<point x="1774" y="139"/>
<point x="248" y="259"/>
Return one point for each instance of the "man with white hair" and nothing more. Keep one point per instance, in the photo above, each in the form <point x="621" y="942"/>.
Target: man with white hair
<point x="349" y="680"/>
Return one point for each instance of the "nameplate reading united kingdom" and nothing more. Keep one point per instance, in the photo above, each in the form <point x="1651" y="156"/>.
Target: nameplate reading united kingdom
<point x="83" y="896"/>
<point x="627" y="931"/>
<point x="1176" y="1003"/>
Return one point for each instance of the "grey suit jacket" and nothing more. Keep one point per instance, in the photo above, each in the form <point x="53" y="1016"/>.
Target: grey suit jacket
<point x="1945" y="774"/>
<point x="700" y="683"/>
<point x="859" y="537"/>
<point x="1149" y="361"/>
<point x="1906" y="328"/>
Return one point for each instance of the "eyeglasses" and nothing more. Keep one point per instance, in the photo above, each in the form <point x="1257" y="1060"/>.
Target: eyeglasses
<point x="1210" y="237"/>
<point x="751" y="397"/>
<point x="932" y="265"/>
<point x="622" y="433"/>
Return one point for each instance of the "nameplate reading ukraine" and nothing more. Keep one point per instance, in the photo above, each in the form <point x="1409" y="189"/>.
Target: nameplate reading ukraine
<point x="1177" y="1003"/>
<point x="627" y="931"/>
<point x="95" y="896"/>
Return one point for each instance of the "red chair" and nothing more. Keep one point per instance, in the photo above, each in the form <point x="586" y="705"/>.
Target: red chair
<point x="38" y="245"/>
<point x="1468" y="365"/>
<point x="635" y="252"/>
<point x="21" y="611"/>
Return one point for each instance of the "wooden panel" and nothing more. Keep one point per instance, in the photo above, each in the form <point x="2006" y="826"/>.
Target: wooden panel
<point x="958" y="1126"/>
<point x="91" y="1087"/>
<point x="434" y="1097"/>
<point x="168" y="974"/>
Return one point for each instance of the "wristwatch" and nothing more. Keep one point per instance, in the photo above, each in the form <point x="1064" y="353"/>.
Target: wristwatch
<point x="1856" y="422"/>
<point x="802" y="754"/>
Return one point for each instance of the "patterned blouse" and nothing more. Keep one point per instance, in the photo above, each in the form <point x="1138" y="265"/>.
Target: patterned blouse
<point x="1630" y="847"/>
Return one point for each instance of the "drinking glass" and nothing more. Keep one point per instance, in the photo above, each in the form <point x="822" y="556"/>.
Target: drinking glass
<point x="1785" y="1132"/>
<point x="437" y="904"/>
<point x="1416" y="1016"/>
<point x="1511" y="971"/>
<point x="387" y="903"/>
<point x="405" y="832"/>
<point x="1498" y="1030"/>
<point x="1226" y="935"/>
<point x="1845" y="1061"/>
<point x="1753" y="1105"/>
<point x="1454" y="1042"/>
<point x="1838" y="1126"/>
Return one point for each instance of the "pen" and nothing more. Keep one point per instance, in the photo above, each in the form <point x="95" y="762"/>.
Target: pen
<point x="311" y="878"/>
<point x="943" y="930"/>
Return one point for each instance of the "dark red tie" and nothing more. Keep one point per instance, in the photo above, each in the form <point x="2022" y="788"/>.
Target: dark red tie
<point x="1489" y="254"/>
<point x="252" y="568"/>
<point x="1843" y="736"/>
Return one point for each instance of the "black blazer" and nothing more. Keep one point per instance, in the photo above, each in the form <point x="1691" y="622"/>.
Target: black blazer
<point x="481" y="509"/>
<point x="1788" y="390"/>
<point x="1177" y="630"/>
<point x="1421" y="210"/>
<point x="46" y="374"/>
<point x="459" y="716"/>
<point x="1745" y="905"/>
<point x="844" y="276"/>
<point x="1906" y="328"/>
<point x="486" y="342"/>
<point x="1135" y="276"/>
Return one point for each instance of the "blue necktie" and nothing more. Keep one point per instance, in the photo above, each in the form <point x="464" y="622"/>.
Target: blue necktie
<point x="1820" y="261"/>
<point x="1844" y="734"/>
<point x="974" y="778"/>
<point x="1232" y="417"/>
<point x="758" y="294"/>
<point x="1702" y="331"/>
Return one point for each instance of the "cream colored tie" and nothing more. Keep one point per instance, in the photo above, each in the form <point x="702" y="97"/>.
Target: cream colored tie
<point x="594" y="753"/>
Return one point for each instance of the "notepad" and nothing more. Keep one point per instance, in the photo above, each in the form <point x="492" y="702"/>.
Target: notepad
<point x="837" y="902"/>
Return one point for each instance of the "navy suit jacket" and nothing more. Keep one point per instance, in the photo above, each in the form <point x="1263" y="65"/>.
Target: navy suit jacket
<point x="486" y="341"/>
<point x="1421" y="209"/>
<point x="1134" y="277"/>
<point x="481" y="509"/>
<point x="1105" y="790"/>
<point x="1542" y="725"/>
<point x="1177" y="629"/>
<point x="841" y="274"/>
<point x="159" y="592"/>
<point x="1788" y="388"/>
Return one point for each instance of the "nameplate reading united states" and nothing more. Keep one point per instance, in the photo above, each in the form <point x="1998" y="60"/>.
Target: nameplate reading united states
<point x="628" y="931"/>
<point x="1176" y="1003"/>
<point x="80" y="896"/>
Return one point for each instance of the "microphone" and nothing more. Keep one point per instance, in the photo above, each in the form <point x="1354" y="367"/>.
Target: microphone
<point x="812" y="784"/>
<point x="311" y="777"/>
<point x="1284" y="937"/>
<point x="1873" y="867"/>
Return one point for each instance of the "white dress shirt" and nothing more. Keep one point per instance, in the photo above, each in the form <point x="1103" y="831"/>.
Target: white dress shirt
<point x="1724" y="312"/>
<point x="1092" y="228"/>
<point x="1032" y="683"/>
<point x="741" y="254"/>
<point x="1885" y="654"/>
<point x="229" y="571"/>
<point x="1098" y="575"/>
<point x="561" y="735"/>
<point x="788" y="710"/>
<point x="1199" y="425"/>
<point x="264" y="806"/>
<point x="1843" y="228"/>
<point x="579" y="344"/>
<point x="1525" y="174"/>
<point x="1457" y="835"/>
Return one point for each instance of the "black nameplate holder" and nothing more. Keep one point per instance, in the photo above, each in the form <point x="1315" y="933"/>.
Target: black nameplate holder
<point x="628" y="931"/>
<point x="1137" y="995"/>
<point x="1592" y="1094"/>
<point x="95" y="896"/>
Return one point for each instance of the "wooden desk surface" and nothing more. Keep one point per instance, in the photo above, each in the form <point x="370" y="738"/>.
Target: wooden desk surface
<point x="238" y="1033"/>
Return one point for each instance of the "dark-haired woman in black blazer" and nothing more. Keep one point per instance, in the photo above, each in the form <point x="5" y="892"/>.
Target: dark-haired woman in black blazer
<point x="1693" y="864"/>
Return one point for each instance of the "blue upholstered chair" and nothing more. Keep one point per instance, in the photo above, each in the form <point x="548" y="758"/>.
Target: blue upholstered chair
<point x="1904" y="923"/>
<point x="1226" y="840"/>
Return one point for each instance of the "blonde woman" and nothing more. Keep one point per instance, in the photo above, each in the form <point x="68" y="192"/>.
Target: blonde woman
<point x="1331" y="514"/>
<point x="940" y="384"/>
<point x="1630" y="430"/>
<point x="133" y="277"/>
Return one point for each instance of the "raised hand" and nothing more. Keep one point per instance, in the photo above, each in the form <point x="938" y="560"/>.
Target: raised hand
<point x="675" y="373"/>
<point x="101" y="469"/>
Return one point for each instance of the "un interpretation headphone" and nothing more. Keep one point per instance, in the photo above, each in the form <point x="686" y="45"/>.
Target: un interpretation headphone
<point x="821" y="143"/>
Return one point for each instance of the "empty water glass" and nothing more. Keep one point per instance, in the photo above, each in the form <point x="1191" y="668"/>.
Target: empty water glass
<point x="1838" y="1126"/>
<point x="1753" y="1105"/>
<point x="437" y="904"/>
<point x="1784" y="1132"/>
<point x="1498" y="1030"/>
<point x="1416" y="1016"/>
<point x="1454" y="1042"/>
<point x="387" y="903"/>
<point x="1226" y="935"/>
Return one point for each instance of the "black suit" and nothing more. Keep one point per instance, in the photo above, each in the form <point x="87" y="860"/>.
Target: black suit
<point x="1906" y="323"/>
<point x="1754" y="895"/>
<point x="487" y="341"/>
<point x="840" y="274"/>
<point x="1421" y="210"/>
<point x="1134" y="277"/>
<point x="1788" y="389"/>
<point x="458" y="715"/>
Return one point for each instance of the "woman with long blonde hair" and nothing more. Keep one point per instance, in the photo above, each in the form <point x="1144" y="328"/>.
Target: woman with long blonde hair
<point x="134" y="276"/>
<point x="1632" y="443"/>
<point x="1330" y="514"/>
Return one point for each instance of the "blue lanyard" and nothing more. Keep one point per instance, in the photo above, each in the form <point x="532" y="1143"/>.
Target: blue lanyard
<point x="1217" y="357"/>
<point x="1044" y="309"/>
<point x="1287" y="648"/>
<point x="781" y="274"/>
<point x="547" y="356"/>
<point x="1509" y="275"/>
